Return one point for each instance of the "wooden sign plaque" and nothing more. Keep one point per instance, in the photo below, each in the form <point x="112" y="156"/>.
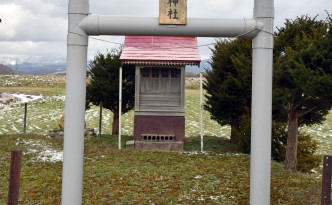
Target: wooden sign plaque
<point x="173" y="12"/>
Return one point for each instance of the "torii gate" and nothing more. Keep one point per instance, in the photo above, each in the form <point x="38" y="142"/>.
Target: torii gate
<point x="81" y="24"/>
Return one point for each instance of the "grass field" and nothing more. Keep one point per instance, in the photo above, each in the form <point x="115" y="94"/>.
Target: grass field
<point x="30" y="84"/>
<point x="135" y="177"/>
<point x="44" y="114"/>
<point x="218" y="176"/>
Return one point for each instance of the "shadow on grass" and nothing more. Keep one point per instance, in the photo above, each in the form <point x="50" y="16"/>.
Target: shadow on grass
<point x="210" y="144"/>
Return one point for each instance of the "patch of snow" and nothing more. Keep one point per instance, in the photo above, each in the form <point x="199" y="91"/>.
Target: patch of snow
<point x="201" y="198"/>
<point x="195" y="153"/>
<point x="14" y="128"/>
<point x="26" y="98"/>
<point x="9" y="99"/>
<point x="216" y="197"/>
<point x="234" y="154"/>
<point x="50" y="155"/>
<point x="151" y="202"/>
<point x="43" y="151"/>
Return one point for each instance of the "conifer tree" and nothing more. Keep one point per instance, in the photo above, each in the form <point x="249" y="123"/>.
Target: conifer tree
<point x="302" y="90"/>
<point x="103" y="84"/>
<point x="228" y="83"/>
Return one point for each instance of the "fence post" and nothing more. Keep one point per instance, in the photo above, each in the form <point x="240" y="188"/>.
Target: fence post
<point x="100" y="118"/>
<point x="25" y="119"/>
<point x="14" y="178"/>
<point x="120" y="105"/>
<point x="326" y="180"/>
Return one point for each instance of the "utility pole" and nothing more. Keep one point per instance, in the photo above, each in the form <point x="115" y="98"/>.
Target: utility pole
<point x="16" y="66"/>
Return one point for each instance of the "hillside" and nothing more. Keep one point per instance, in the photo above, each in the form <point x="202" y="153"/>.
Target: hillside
<point x="204" y="65"/>
<point x="39" y="68"/>
<point x="5" y="70"/>
<point x="59" y="68"/>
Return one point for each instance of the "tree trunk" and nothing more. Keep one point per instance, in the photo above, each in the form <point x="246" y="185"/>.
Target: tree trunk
<point x="115" y="124"/>
<point x="234" y="131"/>
<point x="292" y="142"/>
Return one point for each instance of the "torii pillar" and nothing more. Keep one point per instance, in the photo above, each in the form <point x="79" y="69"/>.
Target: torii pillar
<point x="73" y="149"/>
<point x="81" y="25"/>
<point x="261" y="110"/>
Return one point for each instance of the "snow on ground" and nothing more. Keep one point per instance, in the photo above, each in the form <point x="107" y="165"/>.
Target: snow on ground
<point x="26" y="98"/>
<point x="41" y="151"/>
<point x="8" y="99"/>
<point x="43" y="114"/>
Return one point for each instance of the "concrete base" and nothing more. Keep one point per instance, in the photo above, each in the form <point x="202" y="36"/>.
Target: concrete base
<point x="130" y="144"/>
<point x="159" y="146"/>
<point x="159" y="125"/>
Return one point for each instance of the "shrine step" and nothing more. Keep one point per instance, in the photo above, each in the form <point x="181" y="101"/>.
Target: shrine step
<point x="176" y="146"/>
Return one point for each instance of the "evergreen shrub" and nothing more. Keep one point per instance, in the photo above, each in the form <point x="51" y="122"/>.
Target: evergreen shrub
<point x="306" y="151"/>
<point x="307" y="159"/>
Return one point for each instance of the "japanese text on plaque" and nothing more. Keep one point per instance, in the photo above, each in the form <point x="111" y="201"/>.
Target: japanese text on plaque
<point x="173" y="12"/>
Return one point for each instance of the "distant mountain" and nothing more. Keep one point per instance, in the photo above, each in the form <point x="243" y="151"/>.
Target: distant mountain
<point x="35" y="65"/>
<point x="204" y="65"/>
<point x="39" y="69"/>
<point x="5" y="70"/>
<point x="39" y="60"/>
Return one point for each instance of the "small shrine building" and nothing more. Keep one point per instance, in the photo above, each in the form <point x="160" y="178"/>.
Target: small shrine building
<point x="159" y="119"/>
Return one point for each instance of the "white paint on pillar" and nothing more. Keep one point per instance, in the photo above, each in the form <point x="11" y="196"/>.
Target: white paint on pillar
<point x="77" y="42"/>
<point x="261" y="113"/>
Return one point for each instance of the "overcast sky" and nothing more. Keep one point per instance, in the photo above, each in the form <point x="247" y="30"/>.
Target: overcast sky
<point x="39" y="27"/>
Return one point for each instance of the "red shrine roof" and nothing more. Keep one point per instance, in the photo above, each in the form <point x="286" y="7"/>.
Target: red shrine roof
<point x="160" y="50"/>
